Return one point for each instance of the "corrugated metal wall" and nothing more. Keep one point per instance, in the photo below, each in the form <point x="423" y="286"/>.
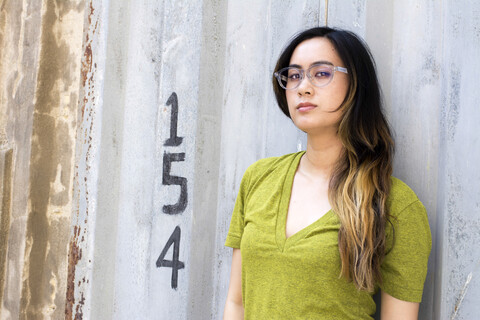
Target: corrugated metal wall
<point x="126" y="126"/>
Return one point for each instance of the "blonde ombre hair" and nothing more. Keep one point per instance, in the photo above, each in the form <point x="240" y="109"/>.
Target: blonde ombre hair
<point x="360" y="184"/>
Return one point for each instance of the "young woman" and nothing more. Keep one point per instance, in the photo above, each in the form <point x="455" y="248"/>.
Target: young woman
<point x="317" y="233"/>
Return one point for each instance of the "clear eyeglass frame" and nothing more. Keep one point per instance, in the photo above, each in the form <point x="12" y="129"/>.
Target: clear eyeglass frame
<point x="280" y="77"/>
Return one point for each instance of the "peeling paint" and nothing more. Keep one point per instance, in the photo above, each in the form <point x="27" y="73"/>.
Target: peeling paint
<point x="86" y="64"/>
<point x="462" y="295"/>
<point x="57" y="185"/>
<point x="75" y="254"/>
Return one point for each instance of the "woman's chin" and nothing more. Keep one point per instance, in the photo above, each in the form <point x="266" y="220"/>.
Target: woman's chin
<point x="316" y="128"/>
<point x="306" y="124"/>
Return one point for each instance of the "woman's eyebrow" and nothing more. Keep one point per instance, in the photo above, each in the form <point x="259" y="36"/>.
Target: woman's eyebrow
<point x="316" y="62"/>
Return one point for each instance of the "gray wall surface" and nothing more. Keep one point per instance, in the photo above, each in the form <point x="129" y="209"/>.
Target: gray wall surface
<point x="126" y="126"/>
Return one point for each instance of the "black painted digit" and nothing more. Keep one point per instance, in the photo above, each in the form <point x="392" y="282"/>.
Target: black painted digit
<point x="169" y="180"/>
<point x="175" y="264"/>
<point x="174" y="140"/>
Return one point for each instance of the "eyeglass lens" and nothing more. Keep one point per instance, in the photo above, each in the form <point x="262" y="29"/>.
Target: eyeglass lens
<point x="320" y="75"/>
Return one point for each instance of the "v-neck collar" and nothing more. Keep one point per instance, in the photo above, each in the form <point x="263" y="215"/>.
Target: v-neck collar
<point x="280" y="233"/>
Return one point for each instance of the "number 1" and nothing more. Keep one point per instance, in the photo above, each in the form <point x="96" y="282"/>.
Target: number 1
<point x="174" y="140"/>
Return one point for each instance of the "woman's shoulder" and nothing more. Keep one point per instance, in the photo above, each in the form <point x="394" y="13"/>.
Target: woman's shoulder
<point x="402" y="197"/>
<point x="270" y="164"/>
<point x="409" y="242"/>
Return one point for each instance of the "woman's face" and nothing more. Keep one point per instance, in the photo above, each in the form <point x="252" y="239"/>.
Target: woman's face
<point x="314" y="109"/>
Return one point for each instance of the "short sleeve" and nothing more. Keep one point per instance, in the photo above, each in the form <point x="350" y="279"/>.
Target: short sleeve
<point x="404" y="268"/>
<point x="235" y="231"/>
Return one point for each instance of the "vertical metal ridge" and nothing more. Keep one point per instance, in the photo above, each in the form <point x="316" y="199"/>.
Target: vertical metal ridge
<point x="6" y="171"/>
<point x="326" y="13"/>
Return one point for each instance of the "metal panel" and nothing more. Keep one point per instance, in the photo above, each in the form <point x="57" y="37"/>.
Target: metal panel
<point x="458" y="263"/>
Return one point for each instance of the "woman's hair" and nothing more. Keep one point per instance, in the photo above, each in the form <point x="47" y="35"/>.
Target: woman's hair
<point x="360" y="183"/>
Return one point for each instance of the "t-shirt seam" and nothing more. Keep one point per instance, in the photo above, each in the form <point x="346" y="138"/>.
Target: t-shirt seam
<point x="230" y="235"/>
<point x="399" y="214"/>
<point x="248" y="189"/>
<point x="403" y="293"/>
<point x="407" y="206"/>
<point x="281" y="247"/>
<point x="395" y="285"/>
<point x="250" y="172"/>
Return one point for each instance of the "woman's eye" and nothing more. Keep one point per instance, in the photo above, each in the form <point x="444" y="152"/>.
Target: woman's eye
<point x="294" y="76"/>
<point x="322" y="74"/>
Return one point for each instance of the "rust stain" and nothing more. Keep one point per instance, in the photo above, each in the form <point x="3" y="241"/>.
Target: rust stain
<point x="78" y="309"/>
<point x="87" y="59"/>
<point x="74" y="308"/>
<point x="86" y="63"/>
<point x="92" y="10"/>
<point x="74" y="255"/>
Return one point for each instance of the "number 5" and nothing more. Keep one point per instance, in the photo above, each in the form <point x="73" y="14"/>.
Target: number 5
<point x="169" y="180"/>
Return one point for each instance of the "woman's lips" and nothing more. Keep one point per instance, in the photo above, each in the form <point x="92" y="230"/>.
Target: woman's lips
<point x="305" y="106"/>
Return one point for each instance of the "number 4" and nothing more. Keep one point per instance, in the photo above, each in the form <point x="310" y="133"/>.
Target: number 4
<point x="175" y="264"/>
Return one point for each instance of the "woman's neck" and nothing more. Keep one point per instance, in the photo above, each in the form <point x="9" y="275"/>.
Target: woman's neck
<point x="321" y="156"/>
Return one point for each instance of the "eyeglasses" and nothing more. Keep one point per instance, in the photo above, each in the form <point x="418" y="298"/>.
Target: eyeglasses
<point x="319" y="75"/>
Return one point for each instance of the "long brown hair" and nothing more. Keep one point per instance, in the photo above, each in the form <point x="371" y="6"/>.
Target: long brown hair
<point x="361" y="181"/>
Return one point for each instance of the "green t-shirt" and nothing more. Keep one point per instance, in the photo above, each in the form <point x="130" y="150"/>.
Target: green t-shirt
<point x="298" y="277"/>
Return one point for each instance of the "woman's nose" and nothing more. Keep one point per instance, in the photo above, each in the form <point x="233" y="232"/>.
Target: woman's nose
<point x="305" y="87"/>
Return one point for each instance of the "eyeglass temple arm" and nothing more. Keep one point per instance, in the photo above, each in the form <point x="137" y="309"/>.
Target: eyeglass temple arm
<point x="341" y="69"/>
<point x="281" y="76"/>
